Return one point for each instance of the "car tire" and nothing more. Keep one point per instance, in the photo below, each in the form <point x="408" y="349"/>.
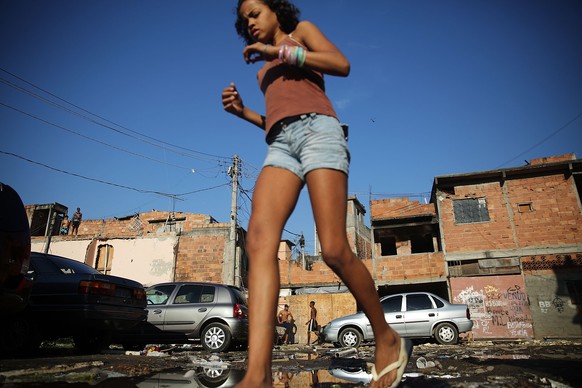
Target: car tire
<point x="216" y="337"/>
<point x="446" y="334"/>
<point x="350" y="338"/>
<point x="92" y="343"/>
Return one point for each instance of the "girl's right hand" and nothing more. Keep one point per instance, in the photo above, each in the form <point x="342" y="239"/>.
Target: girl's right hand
<point x="232" y="101"/>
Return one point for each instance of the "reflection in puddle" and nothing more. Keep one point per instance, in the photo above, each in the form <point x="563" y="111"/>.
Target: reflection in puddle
<point x="341" y="373"/>
<point x="199" y="377"/>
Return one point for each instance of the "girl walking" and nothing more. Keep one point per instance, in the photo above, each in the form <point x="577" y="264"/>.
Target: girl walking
<point x="306" y="146"/>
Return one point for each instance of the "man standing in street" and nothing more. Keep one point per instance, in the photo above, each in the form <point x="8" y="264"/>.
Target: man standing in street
<point x="285" y="318"/>
<point x="313" y="326"/>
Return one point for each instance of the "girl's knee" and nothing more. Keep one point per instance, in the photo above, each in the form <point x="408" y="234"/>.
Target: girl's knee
<point x="337" y="259"/>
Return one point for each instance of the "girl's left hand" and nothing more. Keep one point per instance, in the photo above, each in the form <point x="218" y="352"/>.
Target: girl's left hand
<point x="259" y="52"/>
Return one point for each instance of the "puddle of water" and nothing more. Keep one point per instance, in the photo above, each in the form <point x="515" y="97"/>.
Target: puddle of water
<point x="341" y="373"/>
<point x="502" y="357"/>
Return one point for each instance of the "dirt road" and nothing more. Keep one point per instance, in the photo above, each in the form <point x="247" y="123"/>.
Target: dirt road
<point x="483" y="363"/>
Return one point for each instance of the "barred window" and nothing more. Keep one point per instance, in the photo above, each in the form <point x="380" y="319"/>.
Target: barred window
<point x="470" y="210"/>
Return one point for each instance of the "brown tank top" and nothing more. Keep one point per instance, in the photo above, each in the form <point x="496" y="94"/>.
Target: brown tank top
<point x="291" y="90"/>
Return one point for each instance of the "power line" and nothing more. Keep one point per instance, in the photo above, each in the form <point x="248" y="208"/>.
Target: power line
<point x="110" y="183"/>
<point x="90" y="138"/>
<point x="23" y="90"/>
<point x="542" y="141"/>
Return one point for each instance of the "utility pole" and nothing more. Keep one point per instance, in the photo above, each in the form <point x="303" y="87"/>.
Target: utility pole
<point x="302" y="245"/>
<point x="233" y="272"/>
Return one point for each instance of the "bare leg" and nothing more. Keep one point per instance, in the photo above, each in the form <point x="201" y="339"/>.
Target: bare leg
<point x="328" y="194"/>
<point x="274" y="199"/>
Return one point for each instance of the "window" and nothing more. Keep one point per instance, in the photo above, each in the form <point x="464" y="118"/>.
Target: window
<point x="392" y="305"/>
<point x="470" y="210"/>
<point x="418" y="302"/>
<point x="159" y="294"/>
<point x="195" y="294"/>
<point x="104" y="259"/>
<point x="525" y="207"/>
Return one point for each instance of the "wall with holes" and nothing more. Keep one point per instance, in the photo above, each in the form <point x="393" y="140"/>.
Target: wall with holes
<point x="499" y="305"/>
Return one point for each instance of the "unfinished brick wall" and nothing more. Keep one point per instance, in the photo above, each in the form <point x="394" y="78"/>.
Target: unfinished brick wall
<point x="493" y="235"/>
<point x="292" y="274"/>
<point x="420" y="267"/>
<point x="142" y="224"/>
<point x="201" y="255"/>
<point x="545" y="211"/>
<point x="398" y="207"/>
<point x="536" y="211"/>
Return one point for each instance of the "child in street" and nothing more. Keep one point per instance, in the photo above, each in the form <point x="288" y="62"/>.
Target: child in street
<point x="307" y="146"/>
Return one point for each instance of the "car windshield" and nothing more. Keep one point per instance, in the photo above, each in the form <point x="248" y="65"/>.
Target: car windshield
<point x="59" y="264"/>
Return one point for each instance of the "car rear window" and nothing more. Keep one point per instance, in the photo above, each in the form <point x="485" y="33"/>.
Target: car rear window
<point x="240" y="298"/>
<point x="48" y="263"/>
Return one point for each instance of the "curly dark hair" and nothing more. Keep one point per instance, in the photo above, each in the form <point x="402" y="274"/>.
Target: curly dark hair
<point x="287" y="15"/>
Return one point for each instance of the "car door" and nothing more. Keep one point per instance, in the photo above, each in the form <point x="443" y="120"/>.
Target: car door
<point x="393" y="314"/>
<point x="191" y="304"/>
<point x="158" y="298"/>
<point x="419" y="315"/>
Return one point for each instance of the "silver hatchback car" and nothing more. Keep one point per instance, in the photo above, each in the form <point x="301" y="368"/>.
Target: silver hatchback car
<point x="186" y="312"/>
<point x="412" y="315"/>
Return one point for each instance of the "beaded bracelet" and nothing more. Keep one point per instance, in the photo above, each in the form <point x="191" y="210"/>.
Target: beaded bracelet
<point x="292" y="55"/>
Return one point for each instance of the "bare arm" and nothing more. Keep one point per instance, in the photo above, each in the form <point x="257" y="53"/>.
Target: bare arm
<point x="232" y="103"/>
<point x="323" y="55"/>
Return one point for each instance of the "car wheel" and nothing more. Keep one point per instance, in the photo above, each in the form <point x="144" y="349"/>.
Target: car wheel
<point x="446" y="334"/>
<point x="350" y="338"/>
<point x="216" y="337"/>
<point x="92" y="343"/>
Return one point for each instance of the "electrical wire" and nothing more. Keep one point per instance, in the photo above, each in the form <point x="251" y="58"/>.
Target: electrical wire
<point x="110" y="183"/>
<point x="151" y="140"/>
<point x="542" y="141"/>
<point x="92" y="139"/>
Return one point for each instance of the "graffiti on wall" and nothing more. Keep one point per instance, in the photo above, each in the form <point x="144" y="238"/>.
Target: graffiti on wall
<point x="555" y="305"/>
<point x="498" y="309"/>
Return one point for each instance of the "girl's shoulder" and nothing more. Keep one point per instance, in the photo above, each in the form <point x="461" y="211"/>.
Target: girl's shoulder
<point x="303" y="28"/>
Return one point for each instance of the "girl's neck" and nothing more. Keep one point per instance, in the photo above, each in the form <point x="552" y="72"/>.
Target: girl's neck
<point x="279" y="36"/>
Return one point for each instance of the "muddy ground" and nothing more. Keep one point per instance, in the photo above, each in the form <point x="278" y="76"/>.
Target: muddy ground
<point x="476" y="364"/>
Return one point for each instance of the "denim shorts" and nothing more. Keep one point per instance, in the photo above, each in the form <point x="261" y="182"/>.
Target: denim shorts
<point x="311" y="142"/>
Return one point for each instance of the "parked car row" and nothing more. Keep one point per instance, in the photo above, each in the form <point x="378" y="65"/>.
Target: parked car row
<point x="46" y="296"/>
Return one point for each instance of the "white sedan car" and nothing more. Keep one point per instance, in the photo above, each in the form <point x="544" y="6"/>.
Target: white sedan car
<point x="412" y="315"/>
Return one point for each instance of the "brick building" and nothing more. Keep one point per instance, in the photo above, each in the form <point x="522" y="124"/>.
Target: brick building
<point x="507" y="242"/>
<point x="512" y="243"/>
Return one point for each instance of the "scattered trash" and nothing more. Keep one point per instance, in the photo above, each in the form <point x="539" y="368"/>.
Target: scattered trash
<point x="422" y="363"/>
<point x="353" y="352"/>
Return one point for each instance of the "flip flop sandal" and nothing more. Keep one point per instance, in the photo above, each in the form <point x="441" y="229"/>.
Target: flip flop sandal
<point x="400" y="365"/>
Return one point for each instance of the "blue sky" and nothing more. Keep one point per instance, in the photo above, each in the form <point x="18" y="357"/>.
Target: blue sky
<point x="112" y="105"/>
